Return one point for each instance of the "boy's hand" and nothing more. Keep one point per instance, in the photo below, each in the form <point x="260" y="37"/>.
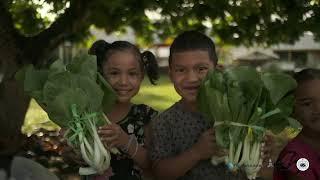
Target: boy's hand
<point x="205" y="147"/>
<point x="113" y="136"/>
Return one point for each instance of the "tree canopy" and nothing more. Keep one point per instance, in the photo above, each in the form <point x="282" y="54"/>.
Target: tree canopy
<point x="231" y="21"/>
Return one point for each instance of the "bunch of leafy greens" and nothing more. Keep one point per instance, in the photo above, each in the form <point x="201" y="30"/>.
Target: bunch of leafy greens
<point x="242" y="104"/>
<point x="75" y="97"/>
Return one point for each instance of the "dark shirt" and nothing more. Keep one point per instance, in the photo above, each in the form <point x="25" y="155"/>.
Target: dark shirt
<point x="123" y="167"/>
<point x="175" y="131"/>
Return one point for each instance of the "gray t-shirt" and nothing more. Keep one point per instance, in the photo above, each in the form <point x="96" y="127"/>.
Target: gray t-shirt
<point x="176" y="130"/>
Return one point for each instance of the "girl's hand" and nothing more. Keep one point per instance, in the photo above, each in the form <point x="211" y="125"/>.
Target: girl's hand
<point x="112" y="135"/>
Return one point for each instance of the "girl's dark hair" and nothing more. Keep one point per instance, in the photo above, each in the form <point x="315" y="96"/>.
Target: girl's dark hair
<point x="103" y="50"/>
<point x="193" y="40"/>
<point x="307" y="75"/>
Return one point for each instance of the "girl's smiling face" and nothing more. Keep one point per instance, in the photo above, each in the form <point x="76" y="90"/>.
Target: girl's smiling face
<point x="307" y="105"/>
<point x="123" y="72"/>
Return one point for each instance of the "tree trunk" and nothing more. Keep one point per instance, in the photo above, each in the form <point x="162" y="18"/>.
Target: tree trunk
<point x="13" y="105"/>
<point x="17" y="51"/>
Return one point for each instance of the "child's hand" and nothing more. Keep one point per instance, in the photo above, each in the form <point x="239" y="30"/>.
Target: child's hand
<point x="71" y="156"/>
<point x="206" y="147"/>
<point x="266" y="149"/>
<point x="68" y="153"/>
<point x="113" y="136"/>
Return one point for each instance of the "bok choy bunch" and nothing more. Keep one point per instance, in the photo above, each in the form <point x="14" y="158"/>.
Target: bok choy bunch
<point x="242" y="104"/>
<point x="74" y="97"/>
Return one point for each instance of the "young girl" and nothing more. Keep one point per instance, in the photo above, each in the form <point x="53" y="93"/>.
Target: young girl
<point x="123" y="66"/>
<point x="300" y="159"/>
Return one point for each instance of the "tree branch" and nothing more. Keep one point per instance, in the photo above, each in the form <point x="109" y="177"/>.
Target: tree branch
<point x="8" y="33"/>
<point x="74" y="20"/>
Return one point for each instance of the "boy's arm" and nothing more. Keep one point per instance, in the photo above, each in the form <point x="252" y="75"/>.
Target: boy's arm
<point x="175" y="167"/>
<point x="179" y="165"/>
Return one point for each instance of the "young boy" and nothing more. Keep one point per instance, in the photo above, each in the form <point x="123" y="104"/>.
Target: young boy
<point x="182" y="141"/>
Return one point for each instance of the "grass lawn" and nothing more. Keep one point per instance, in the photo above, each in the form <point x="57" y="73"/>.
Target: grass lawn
<point x="160" y="97"/>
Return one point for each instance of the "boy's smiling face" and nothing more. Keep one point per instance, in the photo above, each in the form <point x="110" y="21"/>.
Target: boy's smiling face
<point x="307" y="105"/>
<point x="187" y="69"/>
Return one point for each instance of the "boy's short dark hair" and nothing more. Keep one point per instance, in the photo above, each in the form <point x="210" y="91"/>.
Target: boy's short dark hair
<point x="307" y="75"/>
<point x="193" y="40"/>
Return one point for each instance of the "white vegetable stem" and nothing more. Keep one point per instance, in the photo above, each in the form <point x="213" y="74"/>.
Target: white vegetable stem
<point x="251" y="159"/>
<point x="251" y="156"/>
<point x="113" y="150"/>
<point x="93" y="152"/>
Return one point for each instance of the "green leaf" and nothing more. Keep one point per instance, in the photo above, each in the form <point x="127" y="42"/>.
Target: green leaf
<point x="222" y="136"/>
<point x="59" y="110"/>
<point x="109" y="97"/>
<point x="57" y="84"/>
<point x="92" y="90"/>
<point x="35" y="79"/>
<point x="242" y="74"/>
<point x="32" y="81"/>
<point x="86" y="66"/>
<point x="202" y="104"/>
<point x="278" y="85"/>
<point x="216" y="80"/>
<point x="240" y="96"/>
<point x="276" y="124"/>
<point x="294" y="123"/>
<point x="57" y="67"/>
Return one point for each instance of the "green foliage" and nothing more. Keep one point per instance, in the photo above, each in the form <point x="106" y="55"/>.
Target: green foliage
<point x="233" y="22"/>
<point x="240" y="98"/>
<point x="27" y="18"/>
<point x="242" y="104"/>
<point x="60" y="87"/>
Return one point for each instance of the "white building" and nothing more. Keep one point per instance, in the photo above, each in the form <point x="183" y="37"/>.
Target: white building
<point x="303" y="53"/>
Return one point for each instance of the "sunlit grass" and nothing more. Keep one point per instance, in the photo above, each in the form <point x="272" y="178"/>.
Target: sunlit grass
<point x="160" y="97"/>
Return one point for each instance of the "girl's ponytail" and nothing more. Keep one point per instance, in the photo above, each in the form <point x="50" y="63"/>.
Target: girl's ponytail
<point x="151" y="66"/>
<point x="99" y="49"/>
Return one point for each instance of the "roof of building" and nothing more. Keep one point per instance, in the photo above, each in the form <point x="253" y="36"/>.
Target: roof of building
<point x="305" y="42"/>
<point x="256" y="56"/>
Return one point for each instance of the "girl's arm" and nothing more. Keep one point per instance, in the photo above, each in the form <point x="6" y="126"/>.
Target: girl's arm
<point x="140" y="154"/>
